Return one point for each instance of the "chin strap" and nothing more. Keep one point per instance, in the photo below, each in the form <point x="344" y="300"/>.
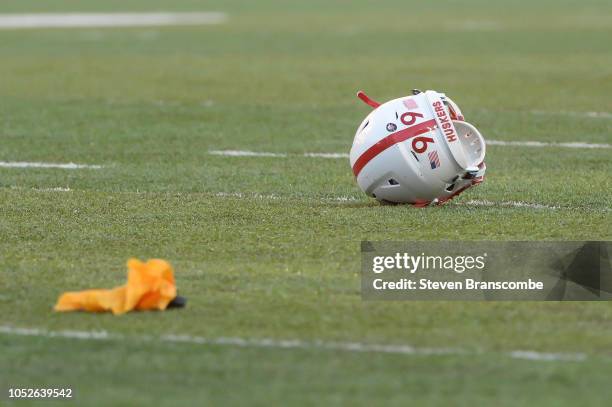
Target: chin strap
<point x="476" y="174"/>
<point x="473" y="176"/>
<point x="361" y="95"/>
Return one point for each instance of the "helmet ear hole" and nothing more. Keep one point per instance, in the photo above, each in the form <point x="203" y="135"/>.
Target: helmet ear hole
<point x="392" y="181"/>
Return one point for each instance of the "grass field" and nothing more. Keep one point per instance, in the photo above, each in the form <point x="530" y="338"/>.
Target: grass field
<point x="268" y="247"/>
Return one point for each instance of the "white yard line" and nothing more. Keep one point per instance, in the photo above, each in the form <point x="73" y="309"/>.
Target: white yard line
<point x="48" y="189"/>
<point x="515" y="204"/>
<point x="590" y="115"/>
<point x="543" y="356"/>
<point x="349" y="199"/>
<point x="339" y="199"/>
<point x="473" y="202"/>
<point x="244" y="153"/>
<point x="248" y="153"/>
<point x="568" y="113"/>
<point x="326" y="155"/>
<point x="248" y="196"/>
<point x="66" y="166"/>
<point x="574" y="144"/>
<point x="286" y="344"/>
<point x="91" y="20"/>
<point x="254" y="195"/>
<point x="54" y="189"/>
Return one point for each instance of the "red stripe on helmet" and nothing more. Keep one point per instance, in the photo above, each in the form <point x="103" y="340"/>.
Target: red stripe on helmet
<point x="391" y="140"/>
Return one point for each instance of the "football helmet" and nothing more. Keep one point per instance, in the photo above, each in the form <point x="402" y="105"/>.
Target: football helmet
<point x="417" y="149"/>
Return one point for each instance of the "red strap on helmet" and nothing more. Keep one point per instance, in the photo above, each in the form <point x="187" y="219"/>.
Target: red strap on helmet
<point x="361" y="95"/>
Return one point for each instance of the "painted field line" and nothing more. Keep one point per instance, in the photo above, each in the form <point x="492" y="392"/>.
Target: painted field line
<point x="543" y="356"/>
<point x="350" y="199"/>
<point x="590" y="115"/>
<point x="52" y="189"/>
<point x="244" y="153"/>
<point x="326" y="155"/>
<point x="545" y="144"/>
<point x="286" y="344"/>
<point x="241" y="195"/>
<point x="254" y="195"/>
<point x="91" y="20"/>
<point x="514" y="204"/>
<point x="248" y="153"/>
<point x="66" y="166"/>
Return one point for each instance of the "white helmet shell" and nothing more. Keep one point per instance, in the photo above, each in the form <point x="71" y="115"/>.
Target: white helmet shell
<point x="417" y="149"/>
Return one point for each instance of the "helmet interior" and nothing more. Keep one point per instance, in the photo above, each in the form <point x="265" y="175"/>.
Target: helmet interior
<point x="472" y="142"/>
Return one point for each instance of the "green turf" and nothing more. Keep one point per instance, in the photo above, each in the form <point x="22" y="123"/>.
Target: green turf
<point x="282" y="260"/>
<point x="233" y="376"/>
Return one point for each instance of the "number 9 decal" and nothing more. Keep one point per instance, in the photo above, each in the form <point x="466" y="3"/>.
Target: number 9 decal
<point x="413" y="117"/>
<point x="423" y="144"/>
